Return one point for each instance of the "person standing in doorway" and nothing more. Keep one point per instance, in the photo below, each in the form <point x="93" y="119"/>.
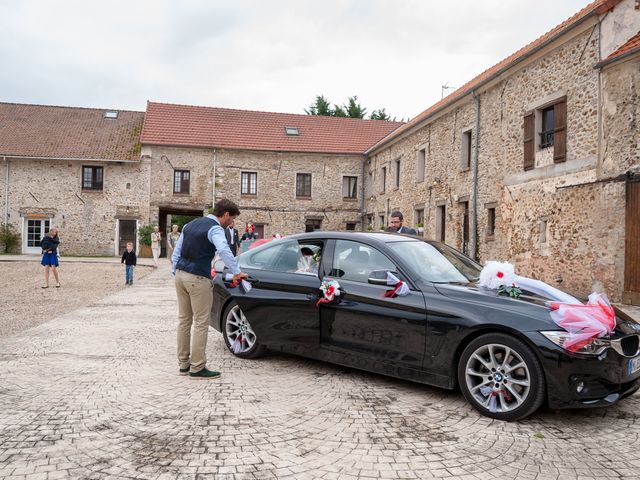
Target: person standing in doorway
<point x="156" y="238"/>
<point x="173" y="238"/>
<point x="395" y="224"/>
<point x="200" y="241"/>
<point x="49" y="245"/>
<point x="249" y="232"/>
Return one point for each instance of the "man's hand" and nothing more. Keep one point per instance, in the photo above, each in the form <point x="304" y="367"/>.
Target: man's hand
<point x="240" y="276"/>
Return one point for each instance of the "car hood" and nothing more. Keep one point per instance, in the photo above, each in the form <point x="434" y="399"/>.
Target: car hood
<point x="528" y="304"/>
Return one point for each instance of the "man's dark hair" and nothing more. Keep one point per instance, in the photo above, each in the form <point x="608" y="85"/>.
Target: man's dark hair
<point x="225" y="205"/>
<point x="397" y="214"/>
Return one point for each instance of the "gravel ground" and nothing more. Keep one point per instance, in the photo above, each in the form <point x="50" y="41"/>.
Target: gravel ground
<point x="23" y="304"/>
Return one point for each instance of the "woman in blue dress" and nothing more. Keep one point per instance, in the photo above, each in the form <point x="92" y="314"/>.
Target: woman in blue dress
<point x="49" y="245"/>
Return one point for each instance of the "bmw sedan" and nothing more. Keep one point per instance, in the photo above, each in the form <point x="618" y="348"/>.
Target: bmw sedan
<point x="327" y="296"/>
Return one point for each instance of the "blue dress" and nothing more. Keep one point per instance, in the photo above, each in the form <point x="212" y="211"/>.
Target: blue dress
<point x="49" y="247"/>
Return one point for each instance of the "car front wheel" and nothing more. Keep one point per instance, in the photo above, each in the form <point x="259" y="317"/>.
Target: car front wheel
<point x="238" y="333"/>
<point x="501" y="377"/>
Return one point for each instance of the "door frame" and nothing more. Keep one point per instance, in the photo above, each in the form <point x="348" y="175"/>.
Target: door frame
<point x="631" y="288"/>
<point x="25" y="237"/>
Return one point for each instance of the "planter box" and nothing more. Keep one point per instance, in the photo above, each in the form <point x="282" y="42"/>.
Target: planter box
<point x="145" y="251"/>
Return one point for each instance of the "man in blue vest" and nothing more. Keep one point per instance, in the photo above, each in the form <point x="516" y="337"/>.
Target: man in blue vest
<point x="199" y="242"/>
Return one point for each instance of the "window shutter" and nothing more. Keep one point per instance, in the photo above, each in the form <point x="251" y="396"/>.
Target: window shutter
<point x="529" y="145"/>
<point x="560" y="131"/>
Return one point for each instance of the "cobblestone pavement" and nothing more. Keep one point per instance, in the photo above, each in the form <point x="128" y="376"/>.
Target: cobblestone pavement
<point x="96" y="394"/>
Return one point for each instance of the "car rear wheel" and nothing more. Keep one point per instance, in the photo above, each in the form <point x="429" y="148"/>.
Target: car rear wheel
<point x="238" y="333"/>
<point x="501" y="377"/>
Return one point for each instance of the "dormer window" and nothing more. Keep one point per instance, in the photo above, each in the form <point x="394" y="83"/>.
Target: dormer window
<point x="110" y="114"/>
<point x="291" y="130"/>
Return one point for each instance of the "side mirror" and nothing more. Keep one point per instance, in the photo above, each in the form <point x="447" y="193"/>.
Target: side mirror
<point x="378" y="277"/>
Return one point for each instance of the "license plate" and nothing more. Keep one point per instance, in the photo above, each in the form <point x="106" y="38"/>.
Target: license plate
<point x="633" y="366"/>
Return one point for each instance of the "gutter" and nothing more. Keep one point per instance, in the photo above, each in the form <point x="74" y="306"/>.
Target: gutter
<point x="473" y="247"/>
<point x="213" y="181"/>
<point x="606" y="62"/>
<point x="363" y="213"/>
<point x="103" y="160"/>
<point x="6" y="193"/>
<point x="425" y="120"/>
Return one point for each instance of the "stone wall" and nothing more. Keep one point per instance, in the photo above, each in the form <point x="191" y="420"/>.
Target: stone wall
<point x="86" y="220"/>
<point x="583" y="225"/>
<point x="275" y="205"/>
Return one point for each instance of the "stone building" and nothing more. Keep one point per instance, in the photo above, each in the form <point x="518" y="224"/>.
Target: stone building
<point x="288" y="173"/>
<point x="534" y="161"/>
<point x="77" y="169"/>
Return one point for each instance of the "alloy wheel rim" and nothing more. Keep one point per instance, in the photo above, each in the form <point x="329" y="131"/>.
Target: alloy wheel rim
<point x="498" y="378"/>
<point x="240" y="335"/>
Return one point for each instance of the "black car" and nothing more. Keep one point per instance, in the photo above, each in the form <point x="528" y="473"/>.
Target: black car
<point x="504" y="353"/>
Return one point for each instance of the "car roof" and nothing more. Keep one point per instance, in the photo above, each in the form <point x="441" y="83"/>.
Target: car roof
<point x="384" y="237"/>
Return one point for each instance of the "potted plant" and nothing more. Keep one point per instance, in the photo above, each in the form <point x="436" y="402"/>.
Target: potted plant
<point x="420" y="227"/>
<point x="144" y="236"/>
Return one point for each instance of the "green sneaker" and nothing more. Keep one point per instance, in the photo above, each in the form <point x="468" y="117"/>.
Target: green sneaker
<point x="184" y="371"/>
<point x="204" y="373"/>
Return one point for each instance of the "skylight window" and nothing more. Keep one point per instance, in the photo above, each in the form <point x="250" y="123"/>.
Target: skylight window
<point x="110" y="114"/>
<point x="291" y="130"/>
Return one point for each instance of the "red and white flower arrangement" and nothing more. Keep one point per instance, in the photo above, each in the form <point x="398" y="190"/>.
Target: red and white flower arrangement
<point x="330" y="291"/>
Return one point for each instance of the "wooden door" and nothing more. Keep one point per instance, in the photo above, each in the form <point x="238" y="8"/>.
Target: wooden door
<point x="632" y="244"/>
<point x="126" y="233"/>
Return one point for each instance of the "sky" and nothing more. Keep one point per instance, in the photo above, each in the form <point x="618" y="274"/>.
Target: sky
<point x="263" y="55"/>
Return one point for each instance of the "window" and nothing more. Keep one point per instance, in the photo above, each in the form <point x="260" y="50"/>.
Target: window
<point x="351" y="226"/>
<point x="249" y="183"/>
<point x="349" y="187"/>
<point x="291" y="131"/>
<point x="544" y="226"/>
<point x="285" y="256"/>
<point x="36" y="229"/>
<point x="311" y="225"/>
<point x="546" y="132"/>
<point x="441" y="223"/>
<point x="382" y="224"/>
<point x="420" y="165"/>
<point x="355" y="261"/>
<point x="91" y="178"/>
<point x="303" y="185"/>
<point x="111" y="114"/>
<point x="181" y="181"/>
<point x="466" y="150"/>
<point x="464" y="206"/>
<point x="397" y="173"/>
<point x="491" y="222"/>
<point x="383" y="178"/>
<point x="418" y="215"/>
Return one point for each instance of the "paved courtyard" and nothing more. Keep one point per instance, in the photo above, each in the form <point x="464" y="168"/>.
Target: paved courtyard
<point x="95" y="393"/>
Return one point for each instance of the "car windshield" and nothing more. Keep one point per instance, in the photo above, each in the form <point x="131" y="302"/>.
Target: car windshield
<point x="437" y="263"/>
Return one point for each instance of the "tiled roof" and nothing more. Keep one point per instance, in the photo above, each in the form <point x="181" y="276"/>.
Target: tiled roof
<point x="185" y="125"/>
<point x="69" y="132"/>
<point x="595" y="8"/>
<point x="632" y="46"/>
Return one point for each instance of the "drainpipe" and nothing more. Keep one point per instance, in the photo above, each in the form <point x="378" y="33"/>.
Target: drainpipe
<point x="363" y="212"/>
<point x="6" y="193"/>
<point x="474" y="180"/>
<point x="213" y="181"/>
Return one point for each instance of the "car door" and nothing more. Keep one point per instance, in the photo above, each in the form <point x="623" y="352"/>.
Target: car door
<point x="281" y="304"/>
<point x="370" y="330"/>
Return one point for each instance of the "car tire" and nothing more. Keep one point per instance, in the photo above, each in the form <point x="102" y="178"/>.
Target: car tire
<point x="238" y="333"/>
<point x="501" y="377"/>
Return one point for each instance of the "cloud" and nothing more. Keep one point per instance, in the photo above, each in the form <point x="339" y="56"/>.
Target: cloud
<point x="261" y="55"/>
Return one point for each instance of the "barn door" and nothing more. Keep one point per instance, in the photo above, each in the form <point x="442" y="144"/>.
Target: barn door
<point x="632" y="244"/>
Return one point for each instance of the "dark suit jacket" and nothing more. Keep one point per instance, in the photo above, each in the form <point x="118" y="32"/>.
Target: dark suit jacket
<point x="233" y="239"/>
<point x="407" y="231"/>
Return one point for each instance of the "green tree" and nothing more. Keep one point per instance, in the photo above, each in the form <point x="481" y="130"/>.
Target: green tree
<point x="353" y="108"/>
<point x="380" y="114"/>
<point x="9" y="238"/>
<point x="321" y="106"/>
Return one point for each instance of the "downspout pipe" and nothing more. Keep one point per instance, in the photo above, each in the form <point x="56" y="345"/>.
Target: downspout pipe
<point x="363" y="212"/>
<point x="6" y="192"/>
<point x="474" y="180"/>
<point x="213" y="181"/>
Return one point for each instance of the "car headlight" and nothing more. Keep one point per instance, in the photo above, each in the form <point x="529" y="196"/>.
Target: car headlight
<point x="595" y="347"/>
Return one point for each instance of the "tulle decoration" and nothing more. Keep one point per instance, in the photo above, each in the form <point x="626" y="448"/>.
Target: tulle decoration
<point x="246" y="286"/>
<point x="584" y="323"/>
<point x="236" y="347"/>
<point x="497" y="274"/>
<point x="400" y="288"/>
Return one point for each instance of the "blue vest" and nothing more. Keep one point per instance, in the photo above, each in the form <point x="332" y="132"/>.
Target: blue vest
<point x="197" y="251"/>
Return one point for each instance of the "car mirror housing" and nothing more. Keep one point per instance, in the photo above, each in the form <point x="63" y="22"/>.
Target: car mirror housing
<point x="378" y="277"/>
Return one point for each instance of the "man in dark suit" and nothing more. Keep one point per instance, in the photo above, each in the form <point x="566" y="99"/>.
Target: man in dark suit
<point x="233" y="239"/>
<point x="395" y="224"/>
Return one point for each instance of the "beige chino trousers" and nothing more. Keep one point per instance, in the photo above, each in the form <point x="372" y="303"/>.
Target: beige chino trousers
<point x="195" y="298"/>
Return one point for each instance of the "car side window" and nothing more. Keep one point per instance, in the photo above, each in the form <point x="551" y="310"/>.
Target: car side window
<point x="355" y="261"/>
<point x="285" y="256"/>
